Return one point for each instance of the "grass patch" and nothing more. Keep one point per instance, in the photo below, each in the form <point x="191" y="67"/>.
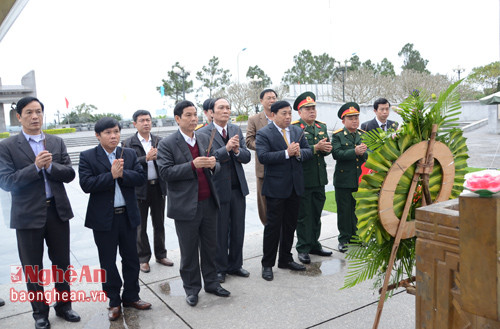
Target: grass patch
<point x="330" y="203"/>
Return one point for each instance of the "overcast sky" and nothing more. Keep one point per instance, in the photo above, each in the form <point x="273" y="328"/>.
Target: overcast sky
<point x="113" y="54"/>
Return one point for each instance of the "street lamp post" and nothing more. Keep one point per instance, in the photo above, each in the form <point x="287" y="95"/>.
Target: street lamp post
<point x="183" y="73"/>
<point x="238" y="64"/>
<point x="347" y="63"/>
<point x="459" y="70"/>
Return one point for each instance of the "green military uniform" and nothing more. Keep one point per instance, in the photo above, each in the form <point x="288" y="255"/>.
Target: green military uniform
<point x="346" y="176"/>
<point x="313" y="199"/>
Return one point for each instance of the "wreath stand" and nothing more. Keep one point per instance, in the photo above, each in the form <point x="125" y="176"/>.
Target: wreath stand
<point x="424" y="152"/>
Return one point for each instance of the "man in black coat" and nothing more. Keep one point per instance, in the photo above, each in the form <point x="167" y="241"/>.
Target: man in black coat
<point x="110" y="174"/>
<point x="381" y="107"/>
<point x="150" y="195"/>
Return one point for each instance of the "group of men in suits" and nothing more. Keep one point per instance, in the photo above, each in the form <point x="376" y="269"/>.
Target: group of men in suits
<point x="202" y="176"/>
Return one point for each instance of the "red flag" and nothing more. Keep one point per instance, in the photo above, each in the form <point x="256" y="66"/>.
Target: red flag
<point x="67" y="102"/>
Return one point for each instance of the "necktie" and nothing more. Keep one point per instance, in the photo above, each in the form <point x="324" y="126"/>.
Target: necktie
<point x="284" y="136"/>
<point x="224" y="133"/>
<point x="383" y="126"/>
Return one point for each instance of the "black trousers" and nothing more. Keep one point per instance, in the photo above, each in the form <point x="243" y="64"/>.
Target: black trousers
<point x="122" y="237"/>
<point x="156" y="202"/>
<point x="30" y="248"/>
<point x="231" y="233"/>
<point x="282" y="217"/>
<point x="198" y="241"/>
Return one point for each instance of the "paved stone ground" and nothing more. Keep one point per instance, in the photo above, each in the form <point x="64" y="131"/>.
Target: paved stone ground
<point x="293" y="300"/>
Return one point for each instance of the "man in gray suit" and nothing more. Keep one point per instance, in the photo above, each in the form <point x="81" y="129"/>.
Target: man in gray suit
<point x="192" y="201"/>
<point x="231" y="185"/>
<point x="34" y="168"/>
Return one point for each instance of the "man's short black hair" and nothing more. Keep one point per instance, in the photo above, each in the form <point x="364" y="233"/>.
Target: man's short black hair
<point x="265" y="91"/>
<point x="179" y="108"/>
<point x="206" y="104"/>
<point x="138" y="113"/>
<point x="279" y="105"/>
<point x="106" y="123"/>
<point x="380" y="101"/>
<point x="21" y="104"/>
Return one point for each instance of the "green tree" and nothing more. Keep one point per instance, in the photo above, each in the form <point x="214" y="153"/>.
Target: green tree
<point x="486" y="77"/>
<point x="310" y="69"/>
<point x="355" y="63"/>
<point x="257" y="71"/>
<point x="385" y="68"/>
<point x="173" y="86"/>
<point x="80" y="114"/>
<point x="213" y="77"/>
<point x="368" y="65"/>
<point x="96" y="117"/>
<point x="412" y="59"/>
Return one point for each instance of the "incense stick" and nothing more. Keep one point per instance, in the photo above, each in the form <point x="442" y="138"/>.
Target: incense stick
<point x="211" y="141"/>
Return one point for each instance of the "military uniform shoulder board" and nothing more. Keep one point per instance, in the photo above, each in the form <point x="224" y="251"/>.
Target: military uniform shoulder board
<point x="295" y="122"/>
<point x="199" y="126"/>
<point x="362" y="131"/>
<point x="337" y="131"/>
<point x="320" y="122"/>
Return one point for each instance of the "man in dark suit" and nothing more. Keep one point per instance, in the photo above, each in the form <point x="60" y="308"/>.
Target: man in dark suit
<point x="281" y="147"/>
<point x="192" y="201"/>
<point x="110" y="174"/>
<point x="381" y="107"/>
<point x="256" y="122"/>
<point x="350" y="153"/>
<point x="34" y="167"/>
<point x="231" y="185"/>
<point x="150" y="195"/>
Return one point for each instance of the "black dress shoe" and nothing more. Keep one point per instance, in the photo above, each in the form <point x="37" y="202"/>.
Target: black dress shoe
<point x="293" y="266"/>
<point x="42" y="323"/>
<point x="342" y="247"/>
<point x="267" y="273"/>
<point x="2" y="302"/>
<point x="304" y="257"/>
<point x="221" y="277"/>
<point x="68" y="315"/>
<point x="192" y="300"/>
<point x="219" y="291"/>
<point x="241" y="272"/>
<point x="321" y="252"/>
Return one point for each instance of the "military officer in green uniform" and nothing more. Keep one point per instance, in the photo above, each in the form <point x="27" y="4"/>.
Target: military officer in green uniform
<point x="350" y="154"/>
<point x="315" y="179"/>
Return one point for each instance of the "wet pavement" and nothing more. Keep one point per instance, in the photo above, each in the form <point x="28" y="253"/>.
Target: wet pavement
<point x="293" y="300"/>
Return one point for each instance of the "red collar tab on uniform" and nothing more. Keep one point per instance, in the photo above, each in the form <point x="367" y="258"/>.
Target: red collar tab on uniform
<point x="317" y="125"/>
<point x="302" y="126"/>
<point x="306" y="101"/>
<point x="351" y="110"/>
